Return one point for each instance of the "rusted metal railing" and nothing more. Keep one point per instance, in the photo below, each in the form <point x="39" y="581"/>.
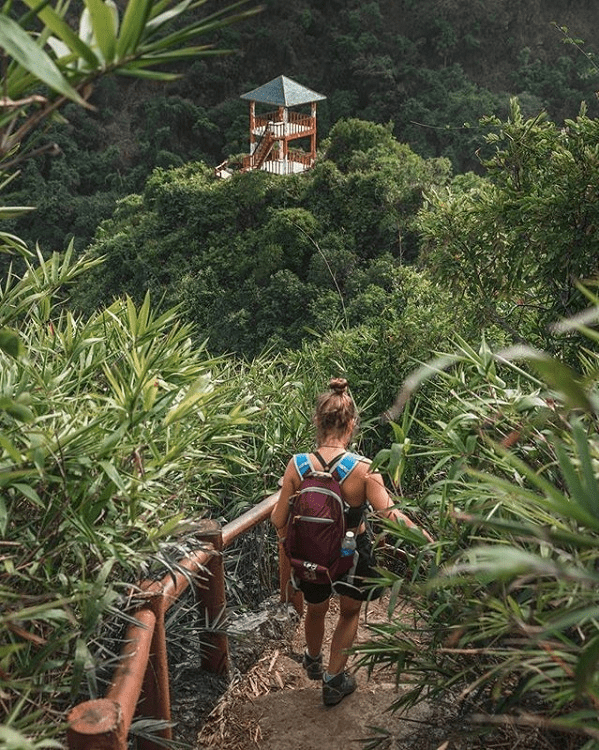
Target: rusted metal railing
<point x="140" y="685"/>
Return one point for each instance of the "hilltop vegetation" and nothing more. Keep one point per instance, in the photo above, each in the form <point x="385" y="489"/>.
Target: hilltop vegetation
<point x="261" y="260"/>
<point x="432" y="68"/>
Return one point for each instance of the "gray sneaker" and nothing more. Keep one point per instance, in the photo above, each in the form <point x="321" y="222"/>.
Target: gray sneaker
<point x="335" y="690"/>
<point x="313" y="666"/>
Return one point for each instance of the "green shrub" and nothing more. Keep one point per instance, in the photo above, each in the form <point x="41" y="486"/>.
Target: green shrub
<point x="505" y="609"/>
<point x="117" y="434"/>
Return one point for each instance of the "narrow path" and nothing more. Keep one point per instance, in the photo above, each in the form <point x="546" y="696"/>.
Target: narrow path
<point x="276" y="707"/>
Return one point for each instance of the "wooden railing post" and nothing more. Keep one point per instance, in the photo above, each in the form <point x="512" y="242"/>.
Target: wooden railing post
<point x="97" y="725"/>
<point x="155" y="702"/>
<point x="140" y="684"/>
<point x="213" y="598"/>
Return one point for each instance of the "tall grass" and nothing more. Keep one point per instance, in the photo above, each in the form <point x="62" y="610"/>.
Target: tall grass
<point x="506" y="613"/>
<point x="116" y="434"/>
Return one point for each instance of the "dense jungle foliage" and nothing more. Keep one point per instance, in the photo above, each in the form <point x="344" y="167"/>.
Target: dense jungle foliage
<point x="164" y="371"/>
<point x="431" y="68"/>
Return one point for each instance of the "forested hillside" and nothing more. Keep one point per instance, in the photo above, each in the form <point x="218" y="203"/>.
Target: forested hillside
<point x="260" y="260"/>
<point x="442" y="254"/>
<point x="430" y="67"/>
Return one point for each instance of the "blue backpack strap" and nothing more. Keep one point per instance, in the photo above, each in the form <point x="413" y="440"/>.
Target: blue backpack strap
<point x="344" y="466"/>
<point x="302" y="464"/>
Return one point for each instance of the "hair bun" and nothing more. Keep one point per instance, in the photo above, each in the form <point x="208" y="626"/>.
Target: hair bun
<point x="338" y="385"/>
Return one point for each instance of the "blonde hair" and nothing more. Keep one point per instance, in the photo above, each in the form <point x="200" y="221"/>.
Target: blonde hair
<point x="335" y="410"/>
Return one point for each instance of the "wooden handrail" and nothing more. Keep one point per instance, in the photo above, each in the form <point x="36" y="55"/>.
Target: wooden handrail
<point x="140" y="683"/>
<point x="299" y="118"/>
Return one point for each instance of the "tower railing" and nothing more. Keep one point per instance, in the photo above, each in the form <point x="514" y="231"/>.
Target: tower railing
<point x="294" y="123"/>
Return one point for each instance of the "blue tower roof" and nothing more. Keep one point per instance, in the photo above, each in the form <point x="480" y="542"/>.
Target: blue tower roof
<point x="283" y="92"/>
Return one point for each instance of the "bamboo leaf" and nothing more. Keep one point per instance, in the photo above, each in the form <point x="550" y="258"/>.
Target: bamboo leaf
<point x="586" y="666"/>
<point x="396" y="462"/>
<point x="160" y="19"/>
<point x="190" y="402"/>
<point x="132" y="316"/>
<point x="12" y="451"/>
<point x="150" y="75"/>
<point x="11" y="738"/>
<point x="134" y="22"/>
<point x="553" y="500"/>
<point x="60" y="49"/>
<point x="166" y="56"/>
<point x="167" y="527"/>
<point x="113" y="439"/>
<point x="116" y="386"/>
<point x="111" y="472"/>
<point x="10" y="343"/>
<point x="588" y="480"/>
<point x="86" y="30"/>
<point x="62" y="30"/>
<point x="415" y="380"/>
<point x="82" y="664"/>
<point x="143" y="316"/>
<point x="19" y="411"/>
<point x="30" y="493"/>
<point x="19" y="45"/>
<point x="555" y="535"/>
<point x="11" y="212"/>
<point x="570" y="475"/>
<point x="103" y="16"/>
<point x="502" y="562"/>
<point x="557" y="375"/>
<point x="570" y="618"/>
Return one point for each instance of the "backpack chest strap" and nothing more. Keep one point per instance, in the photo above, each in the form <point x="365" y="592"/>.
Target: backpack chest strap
<point x="341" y="467"/>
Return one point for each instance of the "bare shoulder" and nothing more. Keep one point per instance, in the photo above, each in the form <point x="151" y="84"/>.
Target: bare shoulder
<point x="364" y="468"/>
<point x="360" y="465"/>
<point x="364" y="475"/>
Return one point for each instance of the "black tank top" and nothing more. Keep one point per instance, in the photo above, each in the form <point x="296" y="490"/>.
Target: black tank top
<point x="355" y="516"/>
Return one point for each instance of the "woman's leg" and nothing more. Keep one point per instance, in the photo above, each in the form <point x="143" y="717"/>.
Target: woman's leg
<point x="314" y="626"/>
<point x="345" y="632"/>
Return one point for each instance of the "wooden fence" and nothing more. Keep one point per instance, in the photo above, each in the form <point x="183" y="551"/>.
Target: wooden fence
<point x="140" y="685"/>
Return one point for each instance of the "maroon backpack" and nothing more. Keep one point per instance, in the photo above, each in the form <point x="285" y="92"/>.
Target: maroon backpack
<point x="317" y="521"/>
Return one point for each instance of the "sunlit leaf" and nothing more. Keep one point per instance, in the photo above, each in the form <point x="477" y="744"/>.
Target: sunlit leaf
<point x="11" y="212"/>
<point x="103" y="18"/>
<point x="64" y="32"/>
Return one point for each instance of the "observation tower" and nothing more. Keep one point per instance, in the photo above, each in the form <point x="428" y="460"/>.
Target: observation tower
<point x="283" y="139"/>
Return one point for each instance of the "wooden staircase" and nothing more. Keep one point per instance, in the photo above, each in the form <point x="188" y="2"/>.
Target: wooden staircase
<point x="263" y="148"/>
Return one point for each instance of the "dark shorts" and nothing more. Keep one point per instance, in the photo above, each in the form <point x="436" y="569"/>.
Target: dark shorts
<point x="315" y="593"/>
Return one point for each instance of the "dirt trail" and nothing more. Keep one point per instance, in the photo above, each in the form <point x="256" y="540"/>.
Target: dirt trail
<point x="276" y="707"/>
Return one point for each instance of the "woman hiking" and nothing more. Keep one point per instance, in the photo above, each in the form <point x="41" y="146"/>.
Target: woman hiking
<point x="336" y="419"/>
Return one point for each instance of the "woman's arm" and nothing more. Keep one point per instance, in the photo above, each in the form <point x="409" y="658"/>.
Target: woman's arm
<point x="379" y="498"/>
<point x="281" y="510"/>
